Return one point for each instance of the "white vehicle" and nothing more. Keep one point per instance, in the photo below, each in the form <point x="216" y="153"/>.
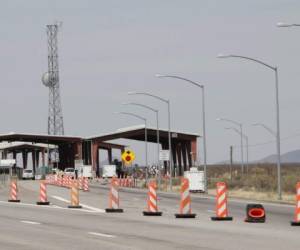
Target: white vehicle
<point x="196" y="180"/>
<point x="84" y="171"/>
<point x="27" y="174"/>
<point x="69" y="172"/>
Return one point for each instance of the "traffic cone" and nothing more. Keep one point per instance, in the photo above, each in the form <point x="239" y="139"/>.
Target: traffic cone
<point x="114" y="197"/>
<point x="13" y="191"/>
<point x="296" y="221"/>
<point x="152" y="209"/>
<point x="221" y="204"/>
<point x="43" y="194"/>
<point x="74" y="195"/>
<point x="185" y="201"/>
<point x="85" y="184"/>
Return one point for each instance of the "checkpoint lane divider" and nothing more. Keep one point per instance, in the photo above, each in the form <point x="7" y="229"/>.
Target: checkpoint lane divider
<point x="185" y="210"/>
<point x="152" y="208"/>
<point x="13" y="196"/>
<point x="85" y="184"/>
<point x="255" y="213"/>
<point x="221" y="204"/>
<point x="114" y="197"/>
<point x="43" y="194"/>
<point x="296" y="221"/>
<point x="74" y="195"/>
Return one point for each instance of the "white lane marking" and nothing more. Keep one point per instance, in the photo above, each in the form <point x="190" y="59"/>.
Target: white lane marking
<point x="102" y="235"/>
<point x="211" y="211"/>
<point x="29" y="204"/>
<point x="30" y="222"/>
<point x="45" y="207"/>
<point x="94" y="209"/>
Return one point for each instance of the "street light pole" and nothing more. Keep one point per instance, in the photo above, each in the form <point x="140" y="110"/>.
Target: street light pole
<point x="203" y="120"/>
<point x="157" y="133"/>
<point x="275" y="69"/>
<point x="285" y="25"/>
<point x="241" y="134"/>
<point x="247" y="146"/>
<point x="146" y="137"/>
<point x="169" y="127"/>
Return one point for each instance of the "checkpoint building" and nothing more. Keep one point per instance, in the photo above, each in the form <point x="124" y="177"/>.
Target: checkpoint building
<point x="86" y="149"/>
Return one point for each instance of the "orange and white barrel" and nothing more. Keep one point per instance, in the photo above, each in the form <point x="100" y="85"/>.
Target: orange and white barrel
<point x="221" y="203"/>
<point x="13" y="197"/>
<point x="114" y="197"/>
<point x="152" y="207"/>
<point x="85" y="184"/>
<point x="43" y="194"/>
<point x="80" y="183"/>
<point x="74" y="195"/>
<point x="296" y="221"/>
<point x="185" y="210"/>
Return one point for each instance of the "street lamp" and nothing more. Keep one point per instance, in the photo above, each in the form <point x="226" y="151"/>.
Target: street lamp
<point x="266" y="128"/>
<point x="284" y="25"/>
<point x="146" y="144"/>
<point x="203" y="119"/>
<point x="247" y="145"/>
<point x="275" y="69"/>
<point x="169" y="127"/>
<point x="241" y="134"/>
<point x="157" y="129"/>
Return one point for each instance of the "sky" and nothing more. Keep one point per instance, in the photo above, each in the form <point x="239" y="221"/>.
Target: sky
<point x="107" y="48"/>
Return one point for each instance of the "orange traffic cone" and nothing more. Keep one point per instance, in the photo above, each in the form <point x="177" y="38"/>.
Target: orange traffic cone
<point x="43" y="194"/>
<point x="74" y="195"/>
<point x="13" y="192"/>
<point x="152" y="209"/>
<point x="221" y="204"/>
<point x="114" y="197"/>
<point x="296" y="221"/>
<point x="185" y="202"/>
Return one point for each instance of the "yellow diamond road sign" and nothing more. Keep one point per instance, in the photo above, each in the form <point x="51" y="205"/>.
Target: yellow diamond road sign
<point x="128" y="156"/>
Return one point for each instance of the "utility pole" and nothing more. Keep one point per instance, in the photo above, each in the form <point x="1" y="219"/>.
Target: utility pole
<point x="231" y="162"/>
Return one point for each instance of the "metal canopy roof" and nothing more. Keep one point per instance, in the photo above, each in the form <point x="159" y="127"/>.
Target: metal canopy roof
<point x="39" y="138"/>
<point x="132" y="133"/>
<point x="9" y="146"/>
<point x="138" y="133"/>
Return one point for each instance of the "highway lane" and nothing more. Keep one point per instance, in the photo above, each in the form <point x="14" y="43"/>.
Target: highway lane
<point x="56" y="227"/>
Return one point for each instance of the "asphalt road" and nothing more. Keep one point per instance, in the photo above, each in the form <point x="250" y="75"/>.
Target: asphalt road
<point x="27" y="226"/>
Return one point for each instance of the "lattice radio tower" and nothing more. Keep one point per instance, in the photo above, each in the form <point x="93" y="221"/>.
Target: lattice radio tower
<point x="51" y="80"/>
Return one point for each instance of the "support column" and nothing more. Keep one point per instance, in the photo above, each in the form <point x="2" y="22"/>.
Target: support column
<point x="78" y="154"/>
<point x="174" y="154"/>
<point x="109" y="151"/>
<point x="194" y="150"/>
<point x="25" y="157"/>
<point x="43" y="157"/>
<point x="184" y="156"/>
<point x="189" y="155"/>
<point x="95" y="157"/>
<point x="37" y="158"/>
<point x="33" y="161"/>
<point x="178" y="151"/>
<point x="164" y="146"/>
